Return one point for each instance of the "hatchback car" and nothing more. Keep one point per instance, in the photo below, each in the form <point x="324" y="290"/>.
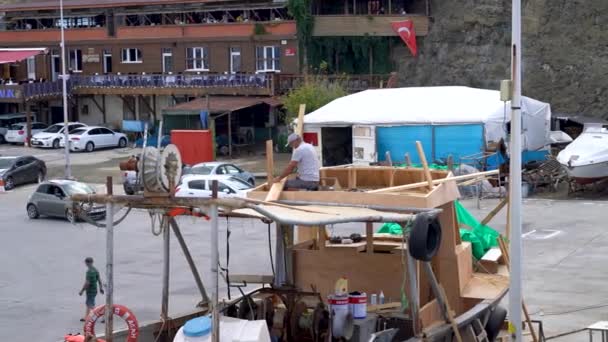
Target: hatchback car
<point x="21" y="170"/>
<point x="90" y="138"/>
<point x="200" y="186"/>
<point x="17" y="133"/>
<point x="219" y="168"/>
<point x="51" y="137"/>
<point x="52" y="198"/>
<point x="7" y="120"/>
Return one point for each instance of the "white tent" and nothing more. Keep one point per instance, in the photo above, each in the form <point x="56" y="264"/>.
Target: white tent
<point x="436" y="106"/>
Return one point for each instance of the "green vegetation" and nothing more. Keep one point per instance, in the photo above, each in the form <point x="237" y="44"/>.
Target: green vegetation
<point x="351" y="55"/>
<point x="315" y="93"/>
<point x="300" y="10"/>
<point x="259" y="29"/>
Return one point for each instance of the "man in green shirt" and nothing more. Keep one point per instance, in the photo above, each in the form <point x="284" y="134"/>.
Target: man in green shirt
<point x="90" y="286"/>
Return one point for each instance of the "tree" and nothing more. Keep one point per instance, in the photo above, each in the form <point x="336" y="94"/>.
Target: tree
<point x="315" y="93"/>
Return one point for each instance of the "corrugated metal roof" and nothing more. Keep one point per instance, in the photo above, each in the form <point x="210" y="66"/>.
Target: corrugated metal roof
<point x="222" y="104"/>
<point x="71" y="4"/>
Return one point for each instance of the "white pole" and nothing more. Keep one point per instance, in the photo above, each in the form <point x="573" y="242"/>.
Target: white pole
<point x="64" y="80"/>
<point x="109" y="328"/>
<point x="215" y="255"/>
<point x="515" y="288"/>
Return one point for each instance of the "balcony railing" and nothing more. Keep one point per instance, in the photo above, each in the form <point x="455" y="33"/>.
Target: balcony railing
<point x="350" y="83"/>
<point x="43" y="89"/>
<point x="172" y="81"/>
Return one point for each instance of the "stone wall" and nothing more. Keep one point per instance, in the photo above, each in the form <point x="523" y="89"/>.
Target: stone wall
<point x="565" y="50"/>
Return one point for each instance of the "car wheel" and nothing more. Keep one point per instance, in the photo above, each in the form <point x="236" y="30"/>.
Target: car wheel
<point x="251" y="181"/>
<point x="122" y="143"/>
<point x="32" y="211"/>
<point x="56" y="143"/>
<point x="90" y="147"/>
<point x="2" y="140"/>
<point x="9" y="183"/>
<point x="69" y="215"/>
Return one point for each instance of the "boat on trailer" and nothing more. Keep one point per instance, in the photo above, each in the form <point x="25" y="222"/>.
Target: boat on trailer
<point x="427" y="273"/>
<point x="586" y="158"/>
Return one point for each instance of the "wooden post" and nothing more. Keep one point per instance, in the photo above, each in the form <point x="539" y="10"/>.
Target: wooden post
<point x="495" y="211"/>
<point x="269" y="163"/>
<point x="387" y="157"/>
<point x="321" y="236"/>
<point x="369" y="237"/>
<point x="408" y="160"/>
<point x="427" y="171"/>
<point x="300" y="126"/>
<point x="450" y="163"/>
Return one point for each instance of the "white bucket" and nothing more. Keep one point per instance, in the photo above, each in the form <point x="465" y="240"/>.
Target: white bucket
<point x="339" y="307"/>
<point x="358" y="305"/>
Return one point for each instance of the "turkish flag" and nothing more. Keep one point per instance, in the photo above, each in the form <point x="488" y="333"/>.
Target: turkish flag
<point x="405" y="30"/>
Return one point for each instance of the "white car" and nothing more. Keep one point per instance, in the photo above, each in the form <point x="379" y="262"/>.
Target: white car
<point x="17" y="133"/>
<point x="51" y="137"/>
<point x="200" y="186"/>
<point x="91" y="137"/>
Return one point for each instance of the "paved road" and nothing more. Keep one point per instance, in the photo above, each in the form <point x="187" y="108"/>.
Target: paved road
<point x="566" y="250"/>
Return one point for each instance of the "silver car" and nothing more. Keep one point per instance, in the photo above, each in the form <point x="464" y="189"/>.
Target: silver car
<point x="52" y="198"/>
<point x="219" y="168"/>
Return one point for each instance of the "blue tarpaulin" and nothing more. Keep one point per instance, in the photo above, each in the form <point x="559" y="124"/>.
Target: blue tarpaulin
<point x="133" y="126"/>
<point x="204" y="119"/>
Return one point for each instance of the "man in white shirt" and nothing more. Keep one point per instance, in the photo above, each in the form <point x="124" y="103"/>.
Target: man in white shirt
<point x="304" y="159"/>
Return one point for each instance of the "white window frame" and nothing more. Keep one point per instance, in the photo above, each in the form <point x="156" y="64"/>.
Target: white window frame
<point x="31" y="68"/>
<point x="106" y="53"/>
<point x="165" y="54"/>
<point x="235" y="51"/>
<point x="138" y="56"/>
<point x="268" y="61"/>
<point x="74" y="67"/>
<point x="198" y="60"/>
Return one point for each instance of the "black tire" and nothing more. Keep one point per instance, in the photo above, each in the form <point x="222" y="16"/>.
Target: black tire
<point x="128" y="190"/>
<point x="425" y="237"/>
<point x="56" y="144"/>
<point x="251" y="181"/>
<point x="122" y="143"/>
<point x="495" y="322"/>
<point x="2" y="140"/>
<point x="32" y="211"/>
<point x="89" y="147"/>
<point x="9" y="183"/>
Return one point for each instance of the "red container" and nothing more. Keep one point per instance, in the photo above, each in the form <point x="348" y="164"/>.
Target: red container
<point x="195" y="146"/>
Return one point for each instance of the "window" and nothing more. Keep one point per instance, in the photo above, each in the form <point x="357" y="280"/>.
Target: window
<point x="94" y="131"/>
<point x="197" y="58"/>
<point x="232" y="170"/>
<point x="167" y="55"/>
<point x="235" y="59"/>
<point x="131" y="55"/>
<point x="76" y="60"/>
<point x="43" y="189"/>
<point x="107" y="61"/>
<point x="267" y="58"/>
<point x="105" y="131"/>
<point x="31" y="68"/>
<point x="197" y="184"/>
<point x="221" y="187"/>
<point x="71" y="128"/>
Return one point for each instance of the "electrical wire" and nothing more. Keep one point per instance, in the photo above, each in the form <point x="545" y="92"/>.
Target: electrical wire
<point x="89" y="220"/>
<point x="270" y="252"/>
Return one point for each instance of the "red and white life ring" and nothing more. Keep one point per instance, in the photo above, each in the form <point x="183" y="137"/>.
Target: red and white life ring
<point x="119" y="310"/>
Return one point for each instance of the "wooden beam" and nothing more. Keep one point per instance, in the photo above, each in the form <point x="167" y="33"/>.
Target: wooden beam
<point x="300" y="126"/>
<point x="425" y="165"/>
<point x="269" y="163"/>
<point x="387" y="157"/>
<point x="369" y="237"/>
<point x="495" y="211"/>
<point x="408" y="160"/>
<point x="435" y="182"/>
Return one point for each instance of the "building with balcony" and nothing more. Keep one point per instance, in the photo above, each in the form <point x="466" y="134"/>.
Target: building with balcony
<point x="131" y="59"/>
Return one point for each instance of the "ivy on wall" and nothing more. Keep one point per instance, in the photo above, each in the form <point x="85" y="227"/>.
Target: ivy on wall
<point x="300" y="10"/>
<point x="351" y="55"/>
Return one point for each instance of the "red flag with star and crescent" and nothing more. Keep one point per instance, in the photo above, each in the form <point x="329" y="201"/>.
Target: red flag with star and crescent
<point x="405" y="30"/>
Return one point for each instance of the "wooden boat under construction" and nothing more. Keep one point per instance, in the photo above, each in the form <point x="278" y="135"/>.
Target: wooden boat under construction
<point x="433" y="291"/>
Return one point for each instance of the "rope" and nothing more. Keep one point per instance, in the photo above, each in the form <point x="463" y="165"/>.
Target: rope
<point x="270" y="252"/>
<point x="153" y="218"/>
<point x="89" y="220"/>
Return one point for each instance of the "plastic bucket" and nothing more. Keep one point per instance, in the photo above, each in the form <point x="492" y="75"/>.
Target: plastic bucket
<point x="339" y="307"/>
<point x="358" y="305"/>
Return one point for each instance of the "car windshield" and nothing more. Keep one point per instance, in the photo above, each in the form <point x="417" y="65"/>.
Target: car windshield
<point x="17" y="127"/>
<point x="53" y="129"/>
<point x="5" y="163"/>
<point x="201" y="170"/>
<point x="78" y="188"/>
<point x="78" y="131"/>
<point x="237" y="184"/>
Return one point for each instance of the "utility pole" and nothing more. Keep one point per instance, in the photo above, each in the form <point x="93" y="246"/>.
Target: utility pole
<point x="515" y="286"/>
<point x="64" y="81"/>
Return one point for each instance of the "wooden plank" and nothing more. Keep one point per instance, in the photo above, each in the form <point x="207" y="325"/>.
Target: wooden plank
<point x="300" y="124"/>
<point x="321" y="236"/>
<point x="490" y="261"/>
<point x="464" y="255"/>
<point x="430" y="313"/>
<point x="269" y="163"/>
<point x="369" y="237"/>
<point x="485" y="286"/>
<point x="251" y="278"/>
<point x="425" y="165"/>
<point x="408" y="160"/>
<point x="495" y="211"/>
<point x="434" y="181"/>
<point x="275" y="191"/>
<point x="384" y="307"/>
<point x="355" y="246"/>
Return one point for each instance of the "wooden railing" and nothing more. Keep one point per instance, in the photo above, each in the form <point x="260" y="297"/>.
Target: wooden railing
<point x="350" y="83"/>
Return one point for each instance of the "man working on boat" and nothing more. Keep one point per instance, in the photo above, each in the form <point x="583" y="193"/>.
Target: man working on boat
<point x="304" y="159"/>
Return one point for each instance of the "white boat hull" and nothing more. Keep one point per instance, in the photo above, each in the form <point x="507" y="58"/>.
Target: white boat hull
<point x="588" y="173"/>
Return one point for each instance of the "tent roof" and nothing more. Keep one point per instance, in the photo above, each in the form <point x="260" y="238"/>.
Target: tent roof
<point x="16" y="55"/>
<point x="423" y="105"/>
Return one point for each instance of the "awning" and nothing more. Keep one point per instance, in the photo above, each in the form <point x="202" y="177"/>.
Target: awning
<point x="222" y="104"/>
<point x="17" y="55"/>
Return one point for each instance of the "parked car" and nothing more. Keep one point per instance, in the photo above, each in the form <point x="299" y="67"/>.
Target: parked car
<point x="6" y="121"/>
<point x="91" y="137"/>
<point x="200" y="186"/>
<point x="51" y="137"/>
<point x="17" y="133"/>
<point x="21" y="170"/>
<point x="52" y="198"/>
<point x="219" y="168"/>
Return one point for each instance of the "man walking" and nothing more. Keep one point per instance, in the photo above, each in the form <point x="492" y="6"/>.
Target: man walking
<point x="90" y="286"/>
<point x="305" y="159"/>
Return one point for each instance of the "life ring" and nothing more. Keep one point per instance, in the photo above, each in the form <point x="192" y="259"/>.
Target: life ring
<point x="119" y="310"/>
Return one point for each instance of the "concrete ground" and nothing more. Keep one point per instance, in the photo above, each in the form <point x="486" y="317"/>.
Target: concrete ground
<point x="565" y="253"/>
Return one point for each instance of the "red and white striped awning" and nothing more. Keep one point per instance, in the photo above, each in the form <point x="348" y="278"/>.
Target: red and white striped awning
<point x="17" y="55"/>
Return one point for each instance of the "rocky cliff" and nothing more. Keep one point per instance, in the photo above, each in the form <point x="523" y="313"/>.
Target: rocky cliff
<point x="565" y="50"/>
